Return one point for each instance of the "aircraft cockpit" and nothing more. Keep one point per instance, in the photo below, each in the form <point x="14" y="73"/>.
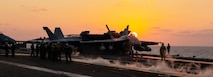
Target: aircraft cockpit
<point x="133" y="34"/>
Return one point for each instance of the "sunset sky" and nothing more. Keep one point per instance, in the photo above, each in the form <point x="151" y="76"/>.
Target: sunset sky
<point x="178" y="22"/>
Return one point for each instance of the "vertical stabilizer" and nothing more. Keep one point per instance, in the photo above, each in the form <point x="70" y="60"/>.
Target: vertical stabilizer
<point x="126" y="30"/>
<point x="58" y="33"/>
<point x="110" y="33"/>
<point x="50" y="34"/>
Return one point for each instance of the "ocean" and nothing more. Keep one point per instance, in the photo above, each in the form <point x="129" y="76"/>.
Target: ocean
<point x="186" y="51"/>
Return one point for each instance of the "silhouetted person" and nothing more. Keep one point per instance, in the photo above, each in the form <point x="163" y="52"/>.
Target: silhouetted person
<point x="68" y="50"/>
<point x="42" y="51"/>
<point x="58" y="51"/>
<point x="54" y="52"/>
<point x="168" y="48"/>
<point x="45" y="50"/>
<point x="37" y="49"/>
<point x="32" y="50"/>
<point x="162" y="52"/>
<point x="13" y="47"/>
<point x="49" y="51"/>
<point x="6" y="47"/>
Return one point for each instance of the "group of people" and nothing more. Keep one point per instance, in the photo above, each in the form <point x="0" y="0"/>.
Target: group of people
<point x="163" y="50"/>
<point x="9" y="47"/>
<point x="52" y="51"/>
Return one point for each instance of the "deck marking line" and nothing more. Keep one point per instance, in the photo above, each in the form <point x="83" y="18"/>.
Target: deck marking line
<point x="44" y="69"/>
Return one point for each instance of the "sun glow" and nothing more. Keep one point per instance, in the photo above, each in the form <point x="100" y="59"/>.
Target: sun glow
<point x="134" y="34"/>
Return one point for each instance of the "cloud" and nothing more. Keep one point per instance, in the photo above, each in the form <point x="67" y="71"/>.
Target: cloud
<point x="198" y="33"/>
<point x="38" y="10"/>
<point x="161" y="29"/>
<point x="211" y="22"/>
<point x="165" y="30"/>
<point x="32" y="8"/>
<point x="4" y="24"/>
<point x="185" y="32"/>
<point x="207" y="30"/>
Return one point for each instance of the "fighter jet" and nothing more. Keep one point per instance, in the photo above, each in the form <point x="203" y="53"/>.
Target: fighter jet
<point x="110" y="42"/>
<point x="127" y="38"/>
<point x="58" y="36"/>
<point x="5" y="39"/>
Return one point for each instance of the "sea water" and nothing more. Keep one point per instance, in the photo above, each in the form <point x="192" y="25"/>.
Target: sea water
<point x="186" y="51"/>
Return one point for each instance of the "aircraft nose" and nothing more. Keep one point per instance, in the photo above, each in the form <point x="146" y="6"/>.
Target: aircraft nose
<point x="134" y="41"/>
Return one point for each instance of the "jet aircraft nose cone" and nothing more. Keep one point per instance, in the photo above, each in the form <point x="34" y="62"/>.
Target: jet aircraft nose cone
<point x="134" y="40"/>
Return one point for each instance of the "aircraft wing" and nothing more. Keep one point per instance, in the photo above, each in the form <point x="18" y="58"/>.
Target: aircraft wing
<point x="4" y="38"/>
<point x="65" y="40"/>
<point x="104" y="41"/>
<point x="149" y="43"/>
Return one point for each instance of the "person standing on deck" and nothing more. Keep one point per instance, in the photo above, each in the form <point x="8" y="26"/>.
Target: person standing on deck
<point x="37" y="49"/>
<point x="58" y="50"/>
<point x="68" y="50"/>
<point x="54" y="52"/>
<point x="49" y="51"/>
<point x="6" y="47"/>
<point x="13" y="47"/>
<point x="162" y="52"/>
<point x="168" y="48"/>
<point x="32" y="50"/>
<point x="42" y="51"/>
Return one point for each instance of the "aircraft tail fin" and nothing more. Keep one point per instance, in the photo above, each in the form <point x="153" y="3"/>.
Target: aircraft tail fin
<point x="126" y="30"/>
<point x="58" y="33"/>
<point x="49" y="33"/>
<point x="111" y="36"/>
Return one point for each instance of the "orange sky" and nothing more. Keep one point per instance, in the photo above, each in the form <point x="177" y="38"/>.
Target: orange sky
<point x="179" y="22"/>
